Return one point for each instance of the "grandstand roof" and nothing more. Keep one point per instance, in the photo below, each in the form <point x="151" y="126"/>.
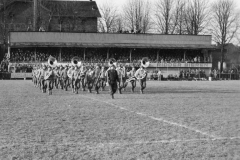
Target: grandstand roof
<point x="103" y="40"/>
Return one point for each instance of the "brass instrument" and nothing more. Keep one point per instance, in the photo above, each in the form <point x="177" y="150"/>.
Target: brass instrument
<point x="144" y="63"/>
<point x="76" y="61"/>
<point x="111" y="62"/>
<point x="52" y="61"/>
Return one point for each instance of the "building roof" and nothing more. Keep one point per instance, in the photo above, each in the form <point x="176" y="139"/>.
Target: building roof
<point x="105" y="40"/>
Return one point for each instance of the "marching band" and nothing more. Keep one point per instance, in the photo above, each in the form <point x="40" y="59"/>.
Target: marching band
<point x="78" y="75"/>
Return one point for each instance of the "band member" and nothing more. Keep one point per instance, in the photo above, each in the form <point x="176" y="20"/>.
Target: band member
<point x="61" y="76"/>
<point x="35" y="76"/>
<point x="70" y="77"/>
<point x="112" y="79"/>
<point x="83" y="71"/>
<point x="97" y="80"/>
<point x="56" y="77"/>
<point x="49" y="79"/>
<point x="89" y="79"/>
<point x="132" y="78"/>
<point x="122" y="78"/>
<point x="40" y="76"/>
<point x="64" y="78"/>
<point x="76" y="79"/>
<point x="141" y="75"/>
<point x="103" y="78"/>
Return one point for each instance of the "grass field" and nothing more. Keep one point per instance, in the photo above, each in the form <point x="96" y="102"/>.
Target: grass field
<point x="172" y="120"/>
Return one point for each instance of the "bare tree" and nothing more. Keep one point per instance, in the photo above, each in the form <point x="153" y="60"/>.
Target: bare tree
<point x="164" y="15"/>
<point x="169" y="16"/>
<point x="119" y="25"/>
<point x="196" y="16"/>
<point x="137" y="15"/>
<point x="178" y="19"/>
<point x="225" y="24"/>
<point x="109" y="17"/>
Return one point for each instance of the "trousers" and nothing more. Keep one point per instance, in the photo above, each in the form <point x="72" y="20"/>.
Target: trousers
<point x="142" y="84"/>
<point x="113" y="88"/>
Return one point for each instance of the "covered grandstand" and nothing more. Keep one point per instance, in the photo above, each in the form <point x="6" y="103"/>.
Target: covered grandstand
<point x="170" y="53"/>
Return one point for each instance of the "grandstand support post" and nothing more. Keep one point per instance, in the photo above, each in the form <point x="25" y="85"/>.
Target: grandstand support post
<point x="9" y="51"/>
<point x="210" y="56"/>
<point x="108" y="53"/>
<point x="60" y="54"/>
<point x="84" y="54"/>
<point x="184" y="56"/>
<point x="35" y="54"/>
<point x="199" y="73"/>
<point x="130" y="56"/>
<point x="158" y="56"/>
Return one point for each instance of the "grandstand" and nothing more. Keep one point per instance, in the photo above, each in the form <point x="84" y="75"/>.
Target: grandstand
<point x="170" y="53"/>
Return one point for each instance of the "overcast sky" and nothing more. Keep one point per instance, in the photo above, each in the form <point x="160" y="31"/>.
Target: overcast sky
<point x="121" y="2"/>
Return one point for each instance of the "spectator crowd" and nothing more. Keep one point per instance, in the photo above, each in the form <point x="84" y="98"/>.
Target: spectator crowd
<point x="100" y="55"/>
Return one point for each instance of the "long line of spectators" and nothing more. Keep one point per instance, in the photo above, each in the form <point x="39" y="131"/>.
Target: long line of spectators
<point x="100" y="56"/>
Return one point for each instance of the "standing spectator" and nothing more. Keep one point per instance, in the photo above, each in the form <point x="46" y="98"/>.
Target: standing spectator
<point x="215" y="73"/>
<point x="159" y="75"/>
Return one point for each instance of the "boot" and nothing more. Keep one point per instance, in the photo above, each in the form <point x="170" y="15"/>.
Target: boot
<point x="120" y="91"/>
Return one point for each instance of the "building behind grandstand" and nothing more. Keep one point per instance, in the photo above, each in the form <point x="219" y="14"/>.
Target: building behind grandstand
<point x="52" y="16"/>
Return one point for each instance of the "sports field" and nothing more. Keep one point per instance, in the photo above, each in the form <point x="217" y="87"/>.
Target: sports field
<point x="172" y="120"/>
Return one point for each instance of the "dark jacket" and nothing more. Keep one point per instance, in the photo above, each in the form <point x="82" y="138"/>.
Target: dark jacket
<point x="112" y="76"/>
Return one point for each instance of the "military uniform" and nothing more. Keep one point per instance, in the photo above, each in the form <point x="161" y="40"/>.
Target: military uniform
<point x="133" y="83"/>
<point x="113" y="79"/>
<point x="34" y="75"/>
<point x="76" y="80"/>
<point x="141" y="74"/>
<point x="89" y="79"/>
<point x="70" y="77"/>
<point x="103" y="78"/>
<point x="97" y="80"/>
<point x="41" y="79"/>
<point x="122" y="78"/>
<point x="56" y="77"/>
<point x="64" y="78"/>
<point x="83" y="71"/>
<point x="49" y="80"/>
